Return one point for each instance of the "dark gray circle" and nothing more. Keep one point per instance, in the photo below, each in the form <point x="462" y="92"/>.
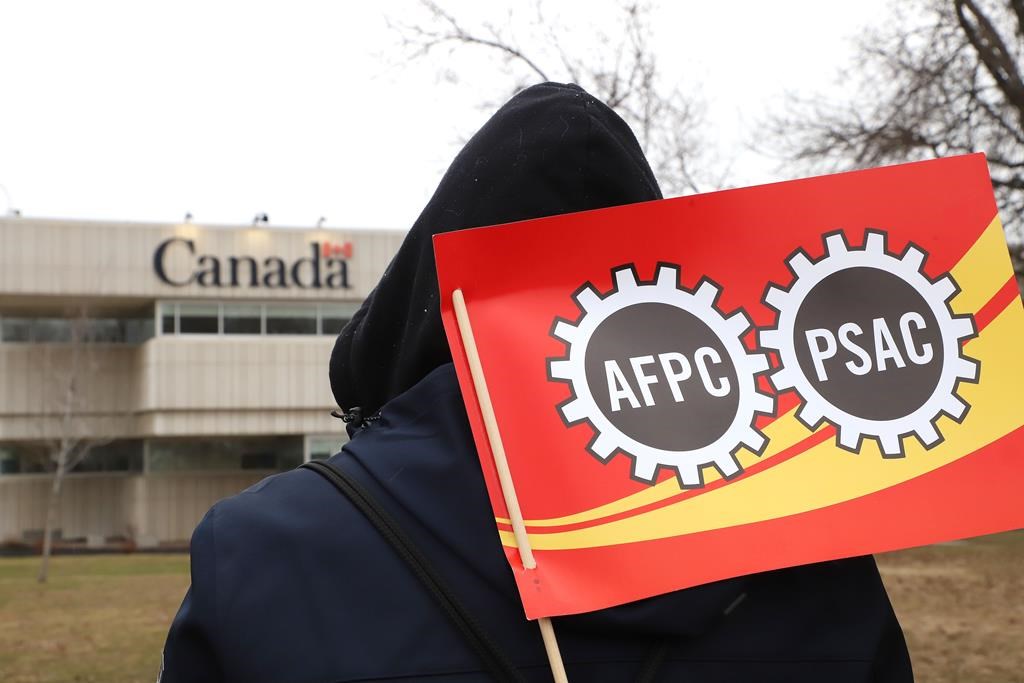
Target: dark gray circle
<point x="860" y="295"/>
<point x="650" y="329"/>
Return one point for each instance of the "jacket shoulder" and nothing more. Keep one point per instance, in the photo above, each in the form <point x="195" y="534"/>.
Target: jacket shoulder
<point x="295" y="509"/>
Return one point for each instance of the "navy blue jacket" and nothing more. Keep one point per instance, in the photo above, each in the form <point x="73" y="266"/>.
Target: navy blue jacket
<point x="291" y="584"/>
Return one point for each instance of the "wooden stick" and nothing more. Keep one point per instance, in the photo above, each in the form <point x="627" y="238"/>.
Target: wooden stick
<point x="508" y="490"/>
<point x="547" y="633"/>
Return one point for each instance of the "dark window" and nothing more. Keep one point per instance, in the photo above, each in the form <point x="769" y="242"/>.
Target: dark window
<point x="269" y="452"/>
<point x="242" y="318"/>
<point x="291" y="319"/>
<point x="10" y="463"/>
<point x="333" y="317"/>
<point x="259" y="461"/>
<point x="16" y="329"/>
<point x="290" y="459"/>
<point x="103" y="331"/>
<point x="53" y="330"/>
<point x="198" y="318"/>
<point x="68" y="330"/>
<point x="122" y="455"/>
<point x="323" y="447"/>
<point x="117" y="456"/>
<point x="24" y="458"/>
<point x="167" y="319"/>
<point x="137" y="330"/>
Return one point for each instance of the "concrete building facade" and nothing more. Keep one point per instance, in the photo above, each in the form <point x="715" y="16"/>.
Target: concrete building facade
<point x="182" y="362"/>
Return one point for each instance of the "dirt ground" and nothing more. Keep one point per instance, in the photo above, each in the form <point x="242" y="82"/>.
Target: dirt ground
<point x="962" y="608"/>
<point x="103" y="619"/>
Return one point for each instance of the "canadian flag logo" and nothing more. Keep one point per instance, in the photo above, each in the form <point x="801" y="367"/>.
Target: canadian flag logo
<point x="333" y="250"/>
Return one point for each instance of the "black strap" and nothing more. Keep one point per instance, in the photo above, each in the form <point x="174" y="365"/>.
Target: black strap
<point x="490" y="654"/>
<point x="493" y="658"/>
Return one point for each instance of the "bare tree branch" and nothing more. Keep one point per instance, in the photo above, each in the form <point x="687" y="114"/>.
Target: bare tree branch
<point x="625" y="74"/>
<point x="453" y="32"/>
<point x="992" y="52"/>
<point x="943" y="77"/>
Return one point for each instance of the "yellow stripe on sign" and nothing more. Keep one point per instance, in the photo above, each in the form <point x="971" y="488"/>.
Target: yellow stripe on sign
<point x="982" y="271"/>
<point x="826" y="475"/>
<point x="782" y="433"/>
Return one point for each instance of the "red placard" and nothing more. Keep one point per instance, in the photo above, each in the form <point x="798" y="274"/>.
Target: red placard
<point x="697" y="388"/>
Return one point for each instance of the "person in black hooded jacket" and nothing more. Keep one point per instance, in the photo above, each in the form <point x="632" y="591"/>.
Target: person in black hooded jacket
<point x="291" y="583"/>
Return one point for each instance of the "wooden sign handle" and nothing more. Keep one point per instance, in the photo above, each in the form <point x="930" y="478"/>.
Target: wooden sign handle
<point x="508" y="490"/>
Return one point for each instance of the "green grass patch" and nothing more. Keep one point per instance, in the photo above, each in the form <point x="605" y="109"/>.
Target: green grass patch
<point x="99" y="619"/>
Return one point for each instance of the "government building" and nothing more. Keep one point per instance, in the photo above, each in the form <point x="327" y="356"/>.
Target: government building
<point x="176" y="364"/>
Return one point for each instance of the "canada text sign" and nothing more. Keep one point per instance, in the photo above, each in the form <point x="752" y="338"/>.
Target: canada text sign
<point x="702" y="387"/>
<point x="325" y="266"/>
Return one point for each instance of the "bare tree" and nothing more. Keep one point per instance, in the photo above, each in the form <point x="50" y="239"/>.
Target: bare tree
<point x="68" y="368"/>
<point x="620" y="68"/>
<point x="942" y="78"/>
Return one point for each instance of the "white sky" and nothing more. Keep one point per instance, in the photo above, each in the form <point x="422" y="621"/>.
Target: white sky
<point x="140" y="110"/>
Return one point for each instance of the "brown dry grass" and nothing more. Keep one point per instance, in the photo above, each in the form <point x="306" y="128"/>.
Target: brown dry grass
<point x="962" y="608"/>
<point x="102" y="619"/>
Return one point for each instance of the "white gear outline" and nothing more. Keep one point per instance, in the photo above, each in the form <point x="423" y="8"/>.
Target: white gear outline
<point x="954" y="329"/>
<point x="608" y="439"/>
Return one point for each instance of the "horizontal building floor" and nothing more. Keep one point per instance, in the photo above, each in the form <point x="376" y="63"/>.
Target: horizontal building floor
<point x="149" y="491"/>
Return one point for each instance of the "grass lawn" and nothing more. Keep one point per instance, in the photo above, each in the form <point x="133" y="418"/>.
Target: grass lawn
<point x="99" y="619"/>
<point x="102" y="619"/>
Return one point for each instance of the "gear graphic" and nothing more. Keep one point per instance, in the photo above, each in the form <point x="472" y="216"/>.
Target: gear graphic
<point x="700" y="303"/>
<point x="953" y="330"/>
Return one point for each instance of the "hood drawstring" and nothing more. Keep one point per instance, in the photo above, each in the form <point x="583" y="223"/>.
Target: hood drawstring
<point x="354" y="417"/>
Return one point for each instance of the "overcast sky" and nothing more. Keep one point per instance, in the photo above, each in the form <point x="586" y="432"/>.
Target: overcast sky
<point x="145" y="111"/>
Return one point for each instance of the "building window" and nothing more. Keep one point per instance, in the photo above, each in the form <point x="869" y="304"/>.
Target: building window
<point x="333" y="317"/>
<point x="323" y="446"/>
<point x="21" y="458"/>
<point x="168" y="318"/>
<point x="198" y="318"/>
<point x="106" y="331"/>
<point x="54" y="330"/>
<point x="138" y="330"/>
<point x="243" y="319"/>
<point x="51" y="330"/>
<point x="227" y="454"/>
<point x="253" y="318"/>
<point x="291" y="319"/>
<point x="121" y="455"/>
<point x="266" y="460"/>
<point x="15" y="330"/>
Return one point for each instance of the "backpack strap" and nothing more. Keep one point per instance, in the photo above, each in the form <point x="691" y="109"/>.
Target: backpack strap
<point x="494" y="659"/>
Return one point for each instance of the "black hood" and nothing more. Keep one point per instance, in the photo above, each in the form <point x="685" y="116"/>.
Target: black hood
<point x="551" y="149"/>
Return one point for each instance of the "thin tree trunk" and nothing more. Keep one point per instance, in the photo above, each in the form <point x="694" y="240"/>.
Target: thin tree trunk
<point x="52" y="510"/>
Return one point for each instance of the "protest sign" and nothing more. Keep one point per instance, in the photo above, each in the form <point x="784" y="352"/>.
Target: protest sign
<point x="697" y="388"/>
